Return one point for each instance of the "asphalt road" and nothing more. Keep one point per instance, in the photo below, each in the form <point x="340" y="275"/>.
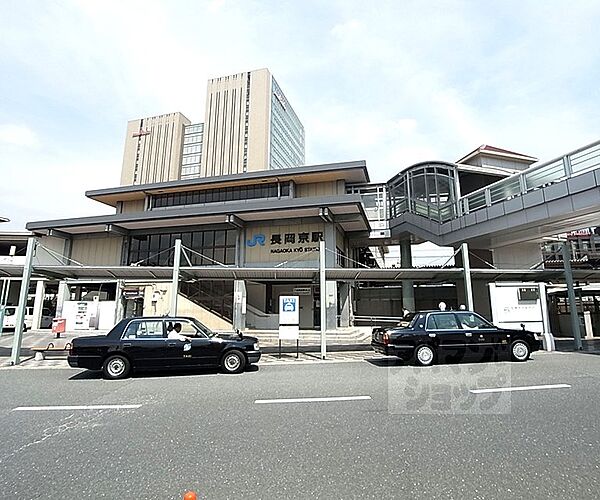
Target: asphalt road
<point x="421" y="434"/>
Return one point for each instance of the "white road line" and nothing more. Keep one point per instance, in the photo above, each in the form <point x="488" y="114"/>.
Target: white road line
<point x="90" y="407"/>
<point x="311" y="400"/>
<point x="524" y="388"/>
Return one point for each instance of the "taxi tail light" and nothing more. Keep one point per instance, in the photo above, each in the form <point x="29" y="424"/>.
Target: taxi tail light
<point x="386" y="338"/>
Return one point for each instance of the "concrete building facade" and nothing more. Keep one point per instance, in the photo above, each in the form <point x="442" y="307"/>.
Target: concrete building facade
<point x="153" y="149"/>
<point x="249" y="125"/>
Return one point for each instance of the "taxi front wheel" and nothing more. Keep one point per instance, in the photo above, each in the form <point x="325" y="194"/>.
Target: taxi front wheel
<point x="233" y="362"/>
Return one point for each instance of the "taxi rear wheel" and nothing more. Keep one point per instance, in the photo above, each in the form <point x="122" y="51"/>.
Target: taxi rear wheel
<point x="233" y="362"/>
<point x="519" y="350"/>
<point x="424" y="355"/>
<point x="116" y="367"/>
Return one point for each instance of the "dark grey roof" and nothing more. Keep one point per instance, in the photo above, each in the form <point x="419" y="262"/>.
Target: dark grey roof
<point x="209" y="209"/>
<point x="262" y="174"/>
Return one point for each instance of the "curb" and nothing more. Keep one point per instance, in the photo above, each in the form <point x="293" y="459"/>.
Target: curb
<point x="287" y="349"/>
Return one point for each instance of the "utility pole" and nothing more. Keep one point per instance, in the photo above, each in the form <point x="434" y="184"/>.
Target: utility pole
<point x="467" y="276"/>
<point x="323" y="297"/>
<point x="15" y="357"/>
<point x="175" y="284"/>
<point x="566" y="255"/>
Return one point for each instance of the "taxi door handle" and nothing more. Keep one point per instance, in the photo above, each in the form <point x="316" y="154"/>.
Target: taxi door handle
<point x="468" y="334"/>
<point x="127" y="344"/>
<point x="172" y="344"/>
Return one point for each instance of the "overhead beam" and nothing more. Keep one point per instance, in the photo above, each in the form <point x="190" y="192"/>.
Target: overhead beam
<point x="234" y="221"/>
<point x="325" y="214"/>
<point x="116" y="229"/>
<point x="57" y="233"/>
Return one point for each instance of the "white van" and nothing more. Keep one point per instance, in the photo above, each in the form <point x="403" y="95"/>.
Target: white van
<point x="10" y="316"/>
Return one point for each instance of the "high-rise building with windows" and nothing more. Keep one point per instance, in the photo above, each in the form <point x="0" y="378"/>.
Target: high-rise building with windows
<point x="153" y="148"/>
<point x="249" y="126"/>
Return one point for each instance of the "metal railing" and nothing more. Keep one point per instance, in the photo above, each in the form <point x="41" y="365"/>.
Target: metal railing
<point x="535" y="177"/>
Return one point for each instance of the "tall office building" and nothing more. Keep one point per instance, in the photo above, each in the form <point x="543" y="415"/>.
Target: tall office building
<point x="153" y="148"/>
<point x="249" y="125"/>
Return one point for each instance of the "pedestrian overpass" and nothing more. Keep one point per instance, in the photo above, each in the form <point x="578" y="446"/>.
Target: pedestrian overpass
<point x="546" y="199"/>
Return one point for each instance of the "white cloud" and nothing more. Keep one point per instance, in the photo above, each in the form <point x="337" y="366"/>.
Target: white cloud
<point x="396" y="84"/>
<point x="17" y="135"/>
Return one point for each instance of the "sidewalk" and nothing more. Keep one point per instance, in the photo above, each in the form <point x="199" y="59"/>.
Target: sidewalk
<point x="38" y="338"/>
<point x="342" y="345"/>
<point x="567" y="344"/>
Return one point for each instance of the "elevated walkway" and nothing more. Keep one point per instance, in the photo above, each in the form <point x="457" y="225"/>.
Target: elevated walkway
<point x="544" y="200"/>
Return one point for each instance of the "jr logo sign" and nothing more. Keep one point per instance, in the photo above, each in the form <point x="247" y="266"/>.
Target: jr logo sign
<point x="256" y="239"/>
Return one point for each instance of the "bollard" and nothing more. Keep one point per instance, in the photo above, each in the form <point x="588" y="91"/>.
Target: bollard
<point x="189" y="495"/>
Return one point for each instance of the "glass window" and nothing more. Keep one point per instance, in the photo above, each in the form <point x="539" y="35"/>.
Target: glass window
<point x="144" y="330"/>
<point x="229" y="256"/>
<point x="187" y="328"/>
<point x="231" y="237"/>
<point x="219" y="237"/>
<point x="472" y="320"/>
<point x="446" y="321"/>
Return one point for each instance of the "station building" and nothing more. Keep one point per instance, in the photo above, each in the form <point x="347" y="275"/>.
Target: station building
<point x="251" y="216"/>
<point x="250" y="237"/>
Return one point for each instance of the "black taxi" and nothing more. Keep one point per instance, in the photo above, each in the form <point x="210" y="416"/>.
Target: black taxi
<point x="161" y="343"/>
<point x="453" y="335"/>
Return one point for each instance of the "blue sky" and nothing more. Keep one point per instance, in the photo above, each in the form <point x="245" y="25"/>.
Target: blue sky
<point x="391" y="82"/>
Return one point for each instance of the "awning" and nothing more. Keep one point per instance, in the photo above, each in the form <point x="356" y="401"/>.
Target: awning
<point x="296" y="273"/>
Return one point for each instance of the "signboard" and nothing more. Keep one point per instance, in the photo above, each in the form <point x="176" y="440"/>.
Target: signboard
<point x="289" y="310"/>
<point x="289" y="332"/>
<point x="303" y="290"/>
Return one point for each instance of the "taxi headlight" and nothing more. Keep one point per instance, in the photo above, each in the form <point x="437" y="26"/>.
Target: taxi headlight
<point x="256" y="346"/>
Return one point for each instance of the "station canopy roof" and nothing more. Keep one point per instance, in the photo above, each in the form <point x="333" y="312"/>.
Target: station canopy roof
<point x="347" y="211"/>
<point x="436" y="275"/>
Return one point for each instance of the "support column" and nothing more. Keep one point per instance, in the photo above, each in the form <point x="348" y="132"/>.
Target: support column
<point x="408" y="291"/>
<point x="331" y="286"/>
<point x="239" y="304"/>
<point x="467" y="276"/>
<point x="344" y="289"/>
<point x="15" y="357"/>
<point x="38" y="305"/>
<point x="322" y="300"/>
<point x="175" y="282"/>
<point x="566" y="255"/>
<point x="120" y="309"/>
<point x="61" y="297"/>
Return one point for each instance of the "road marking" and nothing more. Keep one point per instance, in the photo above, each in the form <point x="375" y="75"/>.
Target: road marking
<point x="524" y="388"/>
<point x="312" y="400"/>
<point x="90" y="407"/>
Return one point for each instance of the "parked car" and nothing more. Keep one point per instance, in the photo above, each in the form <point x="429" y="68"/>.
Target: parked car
<point x="10" y="316"/>
<point x="433" y="335"/>
<point x="10" y="319"/>
<point x="143" y="344"/>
